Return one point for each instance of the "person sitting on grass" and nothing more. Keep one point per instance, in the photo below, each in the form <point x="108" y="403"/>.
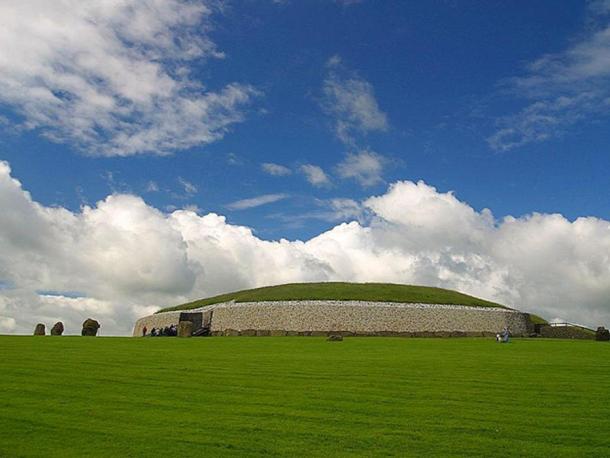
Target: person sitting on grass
<point x="505" y="335"/>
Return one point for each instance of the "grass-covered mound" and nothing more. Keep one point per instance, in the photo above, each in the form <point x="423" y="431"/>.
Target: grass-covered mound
<point x="336" y="291"/>
<point x="303" y="396"/>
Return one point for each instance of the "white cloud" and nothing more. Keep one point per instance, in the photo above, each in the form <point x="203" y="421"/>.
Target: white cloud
<point x="127" y="258"/>
<point x="189" y="188"/>
<point x="366" y="167"/>
<point x="330" y="210"/>
<point x="561" y="89"/>
<point x="275" y="169"/>
<point x="256" y="201"/>
<point x="315" y="175"/>
<point x="152" y="186"/>
<point x="112" y="77"/>
<point x="234" y="160"/>
<point x="351" y="101"/>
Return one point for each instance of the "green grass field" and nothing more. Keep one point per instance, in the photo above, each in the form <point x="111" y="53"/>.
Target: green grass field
<point x="75" y="396"/>
<point x="337" y="291"/>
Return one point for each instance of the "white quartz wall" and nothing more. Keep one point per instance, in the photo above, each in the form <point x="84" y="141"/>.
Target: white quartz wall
<point x="355" y="317"/>
<point x="364" y="317"/>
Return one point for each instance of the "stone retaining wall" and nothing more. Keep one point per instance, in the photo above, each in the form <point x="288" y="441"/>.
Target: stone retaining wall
<point x="566" y="332"/>
<point x="350" y="318"/>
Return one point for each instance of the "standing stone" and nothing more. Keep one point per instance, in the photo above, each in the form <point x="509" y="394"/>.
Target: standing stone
<point x="90" y="327"/>
<point x="57" y="329"/>
<point x="602" y="334"/>
<point x="185" y="329"/>
<point x="40" y="330"/>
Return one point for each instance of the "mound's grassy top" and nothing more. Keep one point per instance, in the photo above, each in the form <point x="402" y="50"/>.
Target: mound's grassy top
<point x="376" y="292"/>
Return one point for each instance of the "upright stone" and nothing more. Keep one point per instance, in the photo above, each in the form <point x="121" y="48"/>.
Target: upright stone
<point x="90" y="327"/>
<point x="185" y="329"/>
<point x="57" y="329"/>
<point x="602" y="334"/>
<point x="39" y="330"/>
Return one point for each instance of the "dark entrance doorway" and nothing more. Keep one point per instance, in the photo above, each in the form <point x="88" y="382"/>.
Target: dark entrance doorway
<point x="202" y="322"/>
<point x="195" y="318"/>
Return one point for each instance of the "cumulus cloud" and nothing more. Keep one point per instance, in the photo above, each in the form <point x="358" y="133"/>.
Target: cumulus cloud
<point x="127" y="258"/>
<point x="275" y="169"/>
<point x="350" y="101"/>
<point x="315" y="175"/>
<point x="256" y="201"/>
<point x="366" y="167"/>
<point x="561" y="89"/>
<point x="113" y="77"/>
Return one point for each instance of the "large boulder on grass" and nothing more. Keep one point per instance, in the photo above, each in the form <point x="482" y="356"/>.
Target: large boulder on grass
<point x="90" y="327"/>
<point x="185" y="329"/>
<point x="335" y="338"/>
<point x="57" y="329"/>
<point x="40" y="330"/>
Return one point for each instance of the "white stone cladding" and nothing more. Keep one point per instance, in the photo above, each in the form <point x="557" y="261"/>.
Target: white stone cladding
<point x="357" y="317"/>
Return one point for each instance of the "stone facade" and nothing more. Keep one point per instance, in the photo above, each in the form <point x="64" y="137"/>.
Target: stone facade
<point x="350" y="318"/>
<point x="566" y="332"/>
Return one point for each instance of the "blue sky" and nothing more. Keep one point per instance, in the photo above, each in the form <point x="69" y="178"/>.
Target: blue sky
<point x="438" y="71"/>
<point x="167" y="150"/>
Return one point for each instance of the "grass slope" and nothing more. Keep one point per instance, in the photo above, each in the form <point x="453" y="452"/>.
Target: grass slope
<point x="75" y="396"/>
<point x="380" y="292"/>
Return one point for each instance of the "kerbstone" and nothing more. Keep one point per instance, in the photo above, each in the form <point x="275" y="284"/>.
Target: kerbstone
<point x="185" y="329"/>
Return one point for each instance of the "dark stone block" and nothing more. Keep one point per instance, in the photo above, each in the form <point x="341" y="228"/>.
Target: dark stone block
<point x="57" y="329"/>
<point x="385" y="334"/>
<point x="40" y="330"/>
<point x="335" y="338"/>
<point x="90" y="327"/>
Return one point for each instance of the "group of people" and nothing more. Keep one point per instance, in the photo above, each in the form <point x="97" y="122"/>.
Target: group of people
<point x="167" y="331"/>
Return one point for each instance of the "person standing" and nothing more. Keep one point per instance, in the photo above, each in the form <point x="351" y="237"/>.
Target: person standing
<point x="144" y="331"/>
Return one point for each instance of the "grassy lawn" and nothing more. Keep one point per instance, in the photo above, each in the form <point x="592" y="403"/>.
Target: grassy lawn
<point x="75" y="396"/>
<point x="337" y="291"/>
